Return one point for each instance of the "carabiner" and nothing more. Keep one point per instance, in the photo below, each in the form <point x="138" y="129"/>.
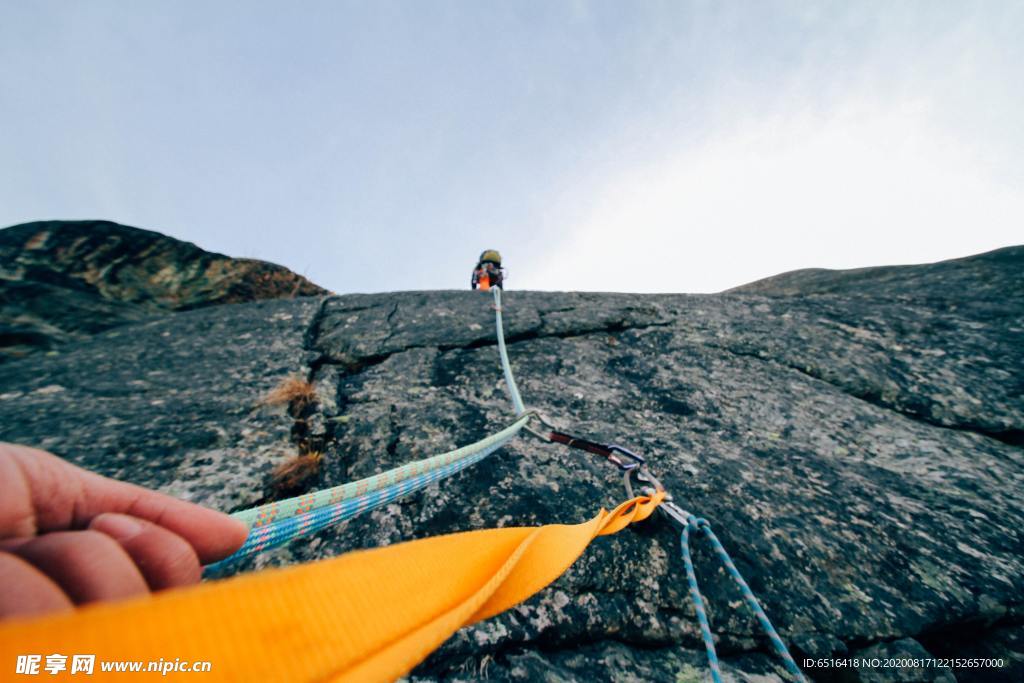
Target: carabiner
<point x="622" y="458"/>
<point x="637" y="460"/>
<point x="543" y="420"/>
<point x="668" y="506"/>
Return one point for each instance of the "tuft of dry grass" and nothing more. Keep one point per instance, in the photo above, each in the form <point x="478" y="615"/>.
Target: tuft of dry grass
<point x="296" y="472"/>
<point x="292" y="391"/>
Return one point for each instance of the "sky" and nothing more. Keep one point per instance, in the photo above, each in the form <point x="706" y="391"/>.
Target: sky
<point x="638" y="146"/>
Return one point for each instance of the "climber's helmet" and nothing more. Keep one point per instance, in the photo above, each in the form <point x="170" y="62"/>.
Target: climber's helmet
<point x="491" y="256"/>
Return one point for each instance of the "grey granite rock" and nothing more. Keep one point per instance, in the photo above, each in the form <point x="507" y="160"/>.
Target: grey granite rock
<point x="171" y="403"/>
<point x="859" y="457"/>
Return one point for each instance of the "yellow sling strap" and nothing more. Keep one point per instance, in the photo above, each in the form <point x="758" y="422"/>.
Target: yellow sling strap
<point x="369" y="615"/>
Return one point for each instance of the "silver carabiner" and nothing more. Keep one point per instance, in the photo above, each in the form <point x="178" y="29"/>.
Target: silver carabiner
<point x="668" y="506"/>
<point x="532" y="412"/>
<point x="637" y="460"/>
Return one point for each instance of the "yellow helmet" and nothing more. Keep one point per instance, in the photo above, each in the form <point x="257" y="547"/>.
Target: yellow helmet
<point x="492" y="256"/>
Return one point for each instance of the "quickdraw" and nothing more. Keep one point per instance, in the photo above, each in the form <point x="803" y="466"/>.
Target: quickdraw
<point x="634" y="467"/>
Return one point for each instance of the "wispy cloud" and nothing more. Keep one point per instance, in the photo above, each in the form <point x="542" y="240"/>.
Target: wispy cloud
<point x="859" y="185"/>
<point x="895" y="149"/>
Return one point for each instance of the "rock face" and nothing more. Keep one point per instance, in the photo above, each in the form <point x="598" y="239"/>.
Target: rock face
<point x="66" y="280"/>
<point x="856" y="448"/>
<point x="989" y="284"/>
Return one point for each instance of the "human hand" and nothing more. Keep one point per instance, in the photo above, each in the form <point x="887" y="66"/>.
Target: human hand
<point x="69" y="537"/>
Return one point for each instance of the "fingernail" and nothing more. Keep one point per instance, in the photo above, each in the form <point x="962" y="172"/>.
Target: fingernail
<point x="120" y="527"/>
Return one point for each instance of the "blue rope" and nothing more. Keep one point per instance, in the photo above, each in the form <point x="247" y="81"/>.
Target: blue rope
<point x="284" y="530"/>
<point x="506" y="366"/>
<point x="701" y="524"/>
<point x="698" y="602"/>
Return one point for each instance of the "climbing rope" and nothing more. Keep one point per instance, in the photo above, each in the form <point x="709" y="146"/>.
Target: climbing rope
<point x="688" y="522"/>
<point x="282" y="509"/>
<point x="700" y="524"/>
<point x="506" y="367"/>
<point x="278" y="523"/>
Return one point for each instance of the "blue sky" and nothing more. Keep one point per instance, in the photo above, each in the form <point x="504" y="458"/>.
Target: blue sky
<point x="625" y="146"/>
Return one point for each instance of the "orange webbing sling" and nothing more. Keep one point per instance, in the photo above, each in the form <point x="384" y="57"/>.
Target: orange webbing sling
<point x="369" y="615"/>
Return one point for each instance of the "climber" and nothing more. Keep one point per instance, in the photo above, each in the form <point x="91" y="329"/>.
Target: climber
<point x="70" y="537"/>
<point x="488" y="272"/>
